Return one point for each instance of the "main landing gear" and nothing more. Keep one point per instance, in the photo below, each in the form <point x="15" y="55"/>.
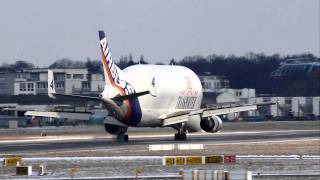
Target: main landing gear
<point x="181" y="135"/>
<point x="118" y="132"/>
<point x="121" y="134"/>
<point x="122" y="138"/>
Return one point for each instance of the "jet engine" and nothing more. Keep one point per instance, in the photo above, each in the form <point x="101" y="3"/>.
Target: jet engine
<point x="211" y="124"/>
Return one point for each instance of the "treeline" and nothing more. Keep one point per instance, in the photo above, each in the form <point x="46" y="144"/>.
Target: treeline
<point x="248" y="71"/>
<point x="17" y="66"/>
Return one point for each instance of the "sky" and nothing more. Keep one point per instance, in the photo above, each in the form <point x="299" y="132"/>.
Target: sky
<point x="43" y="31"/>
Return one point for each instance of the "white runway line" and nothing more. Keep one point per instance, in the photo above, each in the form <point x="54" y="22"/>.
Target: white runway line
<point x="170" y="147"/>
<point x="118" y="158"/>
<point x="263" y="142"/>
<point x="273" y="131"/>
<point x="132" y="158"/>
<point x="90" y="137"/>
<point x="48" y="138"/>
<point x="278" y="157"/>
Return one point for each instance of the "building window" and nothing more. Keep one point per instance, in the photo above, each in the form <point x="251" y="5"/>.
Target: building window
<point x="42" y="85"/>
<point x="22" y="86"/>
<point x="85" y="85"/>
<point x="60" y="77"/>
<point x="78" y="76"/>
<point x="238" y="93"/>
<point x="68" y="76"/>
<point x="34" y="77"/>
<point x="288" y="101"/>
<point x="30" y="87"/>
<point x="60" y="85"/>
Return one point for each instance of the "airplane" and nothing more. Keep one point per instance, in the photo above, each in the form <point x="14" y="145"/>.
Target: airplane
<point x="145" y="95"/>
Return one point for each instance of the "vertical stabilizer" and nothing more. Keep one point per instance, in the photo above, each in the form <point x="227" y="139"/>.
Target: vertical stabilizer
<point x="113" y="75"/>
<point x="110" y="69"/>
<point x="51" y="85"/>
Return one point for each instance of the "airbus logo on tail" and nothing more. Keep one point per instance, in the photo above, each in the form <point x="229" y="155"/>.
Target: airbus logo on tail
<point x="113" y="69"/>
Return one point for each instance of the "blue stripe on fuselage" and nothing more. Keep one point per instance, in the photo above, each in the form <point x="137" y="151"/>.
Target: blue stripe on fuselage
<point x="136" y="114"/>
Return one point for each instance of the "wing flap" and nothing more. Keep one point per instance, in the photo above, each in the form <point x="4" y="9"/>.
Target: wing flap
<point x="211" y="112"/>
<point x="175" y="120"/>
<point x="182" y="116"/>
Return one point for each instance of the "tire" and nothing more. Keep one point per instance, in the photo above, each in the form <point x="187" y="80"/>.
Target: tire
<point x="176" y="137"/>
<point x="126" y="138"/>
<point x="180" y="136"/>
<point x="183" y="136"/>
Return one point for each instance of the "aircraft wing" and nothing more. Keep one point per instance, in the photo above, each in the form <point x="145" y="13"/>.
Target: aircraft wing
<point x="182" y="116"/>
<point x="72" y="115"/>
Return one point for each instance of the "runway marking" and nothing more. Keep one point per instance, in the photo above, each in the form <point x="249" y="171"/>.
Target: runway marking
<point x="46" y="139"/>
<point x="119" y="158"/>
<point x="259" y="132"/>
<point x="68" y="137"/>
<point x="15" y="145"/>
<point x="217" y="144"/>
<point x="264" y="142"/>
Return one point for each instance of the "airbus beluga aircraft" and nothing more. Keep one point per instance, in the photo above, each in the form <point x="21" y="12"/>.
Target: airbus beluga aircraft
<point x="152" y="96"/>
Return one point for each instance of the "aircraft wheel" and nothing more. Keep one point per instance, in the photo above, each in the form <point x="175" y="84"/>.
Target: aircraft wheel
<point x="180" y="136"/>
<point x="126" y="138"/>
<point x="123" y="138"/>
<point x="184" y="136"/>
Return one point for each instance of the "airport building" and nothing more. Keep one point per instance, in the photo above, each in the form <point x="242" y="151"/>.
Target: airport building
<point x="297" y="77"/>
<point x="213" y="83"/>
<point x="216" y="90"/>
<point x="303" y="107"/>
<point x="35" y="81"/>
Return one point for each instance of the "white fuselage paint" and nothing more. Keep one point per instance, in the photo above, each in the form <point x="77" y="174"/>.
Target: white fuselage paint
<point x="172" y="89"/>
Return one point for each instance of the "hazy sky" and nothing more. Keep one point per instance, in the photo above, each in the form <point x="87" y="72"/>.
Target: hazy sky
<point x="42" y="31"/>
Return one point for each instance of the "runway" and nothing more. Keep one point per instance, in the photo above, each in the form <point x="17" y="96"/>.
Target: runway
<point x="98" y="155"/>
<point x="91" y="143"/>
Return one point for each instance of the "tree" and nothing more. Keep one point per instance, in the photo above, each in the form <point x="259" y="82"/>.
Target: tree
<point x="131" y="58"/>
<point x="123" y="62"/>
<point x="172" y="62"/>
<point x="94" y="66"/>
<point x="67" y="63"/>
<point x="142" y="61"/>
<point x="22" y="65"/>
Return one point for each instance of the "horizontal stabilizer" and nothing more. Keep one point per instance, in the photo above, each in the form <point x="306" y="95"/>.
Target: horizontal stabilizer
<point x="121" y="98"/>
<point x="62" y="115"/>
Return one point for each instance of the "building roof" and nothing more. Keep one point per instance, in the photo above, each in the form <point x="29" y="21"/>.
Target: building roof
<point x="296" y="68"/>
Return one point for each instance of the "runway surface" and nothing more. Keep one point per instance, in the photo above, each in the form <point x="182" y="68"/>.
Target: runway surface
<point x="87" y="143"/>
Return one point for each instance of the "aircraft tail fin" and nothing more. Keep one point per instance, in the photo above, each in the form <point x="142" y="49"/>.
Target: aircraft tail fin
<point x="111" y="71"/>
<point x="51" y="85"/>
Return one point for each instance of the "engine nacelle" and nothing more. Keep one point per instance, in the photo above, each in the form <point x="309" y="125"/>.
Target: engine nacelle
<point x="211" y="124"/>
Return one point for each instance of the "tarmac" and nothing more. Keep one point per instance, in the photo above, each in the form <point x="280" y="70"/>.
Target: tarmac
<point x="246" y="139"/>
